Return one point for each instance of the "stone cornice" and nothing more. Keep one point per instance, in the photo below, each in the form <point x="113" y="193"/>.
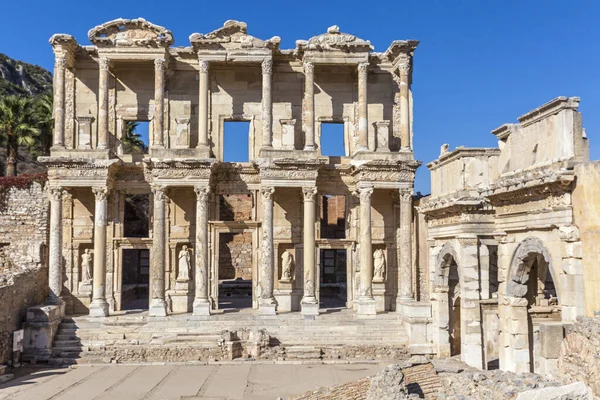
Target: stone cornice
<point x="181" y="170"/>
<point x="552" y="107"/>
<point x="444" y="207"/>
<point x="385" y="171"/>
<point x="130" y="33"/>
<point x="233" y="35"/>
<point x="333" y="40"/>
<point x="80" y="163"/>
<point x="461" y="152"/>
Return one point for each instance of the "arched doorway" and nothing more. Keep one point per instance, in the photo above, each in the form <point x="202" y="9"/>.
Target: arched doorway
<point x="453" y="306"/>
<point x="531" y="298"/>
<point x="448" y="296"/>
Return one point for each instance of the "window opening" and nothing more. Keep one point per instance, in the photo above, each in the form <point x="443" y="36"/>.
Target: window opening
<point x="136" y="137"/>
<point x="332" y="139"/>
<point x="236" y="141"/>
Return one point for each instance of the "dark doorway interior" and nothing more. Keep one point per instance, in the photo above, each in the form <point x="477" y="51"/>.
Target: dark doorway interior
<point x="333" y="292"/>
<point x="137" y="215"/>
<point x="136" y="279"/>
<point x="235" y="270"/>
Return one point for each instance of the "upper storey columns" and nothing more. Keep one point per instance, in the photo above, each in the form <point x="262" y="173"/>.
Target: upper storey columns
<point x="203" y="105"/>
<point x="104" y="65"/>
<point x="404" y="70"/>
<point x="309" y="106"/>
<point x="60" y="65"/>
<point x="267" y="103"/>
<point x="363" y="120"/>
<point x="159" y="102"/>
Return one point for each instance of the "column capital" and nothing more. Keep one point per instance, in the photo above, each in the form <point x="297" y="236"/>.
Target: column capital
<point x="363" y="67"/>
<point x="159" y="64"/>
<point x="468" y="240"/>
<point x="404" y="69"/>
<point x="159" y="192"/>
<point x="55" y="193"/>
<point x="202" y="192"/>
<point x="100" y="193"/>
<point x="104" y="63"/>
<point x="267" y="66"/>
<point x="60" y="62"/>
<point x="204" y="65"/>
<point x="364" y="193"/>
<point x="267" y="192"/>
<point x="309" y="193"/>
<point x="309" y="68"/>
<point x="405" y="195"/>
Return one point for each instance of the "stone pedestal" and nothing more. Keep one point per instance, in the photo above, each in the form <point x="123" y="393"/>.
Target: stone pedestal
<point x="39" y="330"/>
<point x="201" y="308"/>
<point x="309" y="310"/>
<point x="418" y="325"/>
<point x="283" y="297"/>
<point x="181" y="300"/>
<point x="381" y="302"/>
<point x="366" y="307"/>
<point x="85" y="289"/>
<point x="267" y="309"/>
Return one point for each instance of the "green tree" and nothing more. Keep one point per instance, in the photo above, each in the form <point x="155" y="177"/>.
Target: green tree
<point x="133" y="140"/>
<point x="43" y="110"/>
<point x="18" y="127"/>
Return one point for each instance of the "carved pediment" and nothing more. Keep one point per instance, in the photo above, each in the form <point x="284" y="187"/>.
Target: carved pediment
<point x="130" y="33"/>
<point x="232" y="35"/>
<point x="334" y="40"/>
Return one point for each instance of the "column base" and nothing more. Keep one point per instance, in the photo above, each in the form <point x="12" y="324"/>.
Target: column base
<point x="310" y="148"/>
<point x="158" y="308"/>
<point x="309" y="309"/>
<point x="201" y="308"/>
<point x="98" y="308"/>
<point x="268" y="309"/>
<point x="366" y="307"/>
<point x="203" y="151"/>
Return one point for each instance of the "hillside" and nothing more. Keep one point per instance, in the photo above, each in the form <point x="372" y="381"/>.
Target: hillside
<point x="18" y="77"/>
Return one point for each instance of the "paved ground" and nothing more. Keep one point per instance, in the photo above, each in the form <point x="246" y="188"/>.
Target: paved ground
<point x="162" y="382"/>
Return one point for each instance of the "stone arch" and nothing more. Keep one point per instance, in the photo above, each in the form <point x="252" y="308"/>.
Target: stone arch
<point x="445" y="257"/>
<point x="520" y="266"/>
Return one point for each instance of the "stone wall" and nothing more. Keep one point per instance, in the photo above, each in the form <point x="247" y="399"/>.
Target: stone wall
<point x="235" y="255"/>
<point x="23" y="261"/>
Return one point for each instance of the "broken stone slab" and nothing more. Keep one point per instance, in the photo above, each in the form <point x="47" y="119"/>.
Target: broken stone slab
<point x="388" y="385"/>
<point x="573" y="391"/>
<point x="415" y="360"/>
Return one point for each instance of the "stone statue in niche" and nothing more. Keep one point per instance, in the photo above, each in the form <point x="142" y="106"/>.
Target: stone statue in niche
<point x="86" y="266"/>
<point x="287" y="262"/>
<point x="379" y="265"/>
<point x="184" y="264"/>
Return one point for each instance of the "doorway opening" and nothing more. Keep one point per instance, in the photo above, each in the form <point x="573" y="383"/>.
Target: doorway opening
<point x="136" y="137"/>
<point x="333" y="283"/>
<point x="235" y="270"/>
<point x="136" y="279"/>
<point x="454" y="307"/>
<point x="137" y="216"/>
<point x="333" y="216"/>
<point x="236" y="141"/>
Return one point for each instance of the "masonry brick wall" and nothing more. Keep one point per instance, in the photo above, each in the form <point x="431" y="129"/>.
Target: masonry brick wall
<point x="235" y="255"/>
<point x="235" y="207"/>
<point x="24" y="217"/>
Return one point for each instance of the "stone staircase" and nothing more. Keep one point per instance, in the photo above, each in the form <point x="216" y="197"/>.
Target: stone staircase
<point x="224" y="337"/>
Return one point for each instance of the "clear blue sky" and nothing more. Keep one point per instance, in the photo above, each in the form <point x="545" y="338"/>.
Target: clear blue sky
<point x="480" y="63"/>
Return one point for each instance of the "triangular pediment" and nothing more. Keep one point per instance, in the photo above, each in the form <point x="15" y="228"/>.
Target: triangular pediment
<point x="232" y="35"/>
<point x="334" y="40"/>
<point x="130" y="33"/>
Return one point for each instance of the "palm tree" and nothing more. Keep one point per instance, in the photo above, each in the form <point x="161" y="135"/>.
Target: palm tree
<point x="45" y="122"/>
<point x="133" y="140"/>
<point x="18" y="127"/>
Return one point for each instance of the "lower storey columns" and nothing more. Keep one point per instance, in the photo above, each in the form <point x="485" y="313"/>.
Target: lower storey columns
<point x="310" y="304"/>
<point x="99" y="306"/>
<point x="405" y="284"/>
<point x="158" y="306"/>
<point x="55" y="256"/>
<point x="366" y="304"/>
<point x="201" y="304"/>
<point x="266" y="302"/>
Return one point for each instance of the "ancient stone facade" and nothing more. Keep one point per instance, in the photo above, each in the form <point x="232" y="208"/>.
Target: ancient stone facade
<point x="260" y="209"/>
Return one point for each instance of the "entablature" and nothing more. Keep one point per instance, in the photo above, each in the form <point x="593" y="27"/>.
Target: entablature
<point x="80" y="172"/>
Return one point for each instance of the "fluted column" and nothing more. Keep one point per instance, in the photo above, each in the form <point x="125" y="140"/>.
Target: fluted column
<point x="366" y="245"/>
<point x="405" y="277"/>
<point x="309" y="106"/>
<point x="99" y="306"/>
<point x="201" y="302"/>
<point x="309" y="304"/>
<point x="203" y="105"/>
<point x="266" y="278"/>
<point x="60" y="65"/>
<point x="159" y="102"/>
<point x="267" y="104"/>
<point x="158" y="306"/>
<point x="103" y="64"/>
<point x="363" y="119"/>
<point x="55" y="256"/>
<point x="404" y="70"/>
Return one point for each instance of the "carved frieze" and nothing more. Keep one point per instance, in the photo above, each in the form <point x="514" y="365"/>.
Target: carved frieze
<point x="76" y="168"/>
<point x="386" y="170"/>
<point x="232" y="35"/>
<point x="130" y="33"/>
<point x="181" y="168"/>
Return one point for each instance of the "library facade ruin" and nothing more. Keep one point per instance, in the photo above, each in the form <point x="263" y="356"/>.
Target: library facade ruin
<point x="491" y="265"/>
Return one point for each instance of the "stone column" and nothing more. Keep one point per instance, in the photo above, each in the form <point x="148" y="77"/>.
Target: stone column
<point x="60" y="65"/>
<point x="103" y="64"/>
<point x="363" y="119"/>
<point x="309" y="106"/>
<point x="309" y="304"/>
<point x="267" y="305"/>
<point x="159" y="102"/>
<point x="201" y="303"/>
<point x="366" y="303"/>
<point x="404" y="70"/>
<point x="405" y="278"/>
<point x="158" y="306"/>
<point x="55" y="256"/>
<point x="203" y="106"/>
<point x="99" y="306"/>
<point x="267" y="105"/>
